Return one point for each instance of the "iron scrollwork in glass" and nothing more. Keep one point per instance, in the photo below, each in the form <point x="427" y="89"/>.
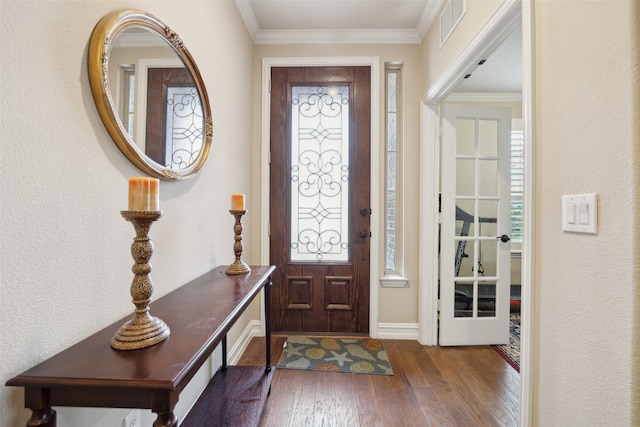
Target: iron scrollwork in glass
<point x="320" y="173"/>
<point x="184" y="126"/>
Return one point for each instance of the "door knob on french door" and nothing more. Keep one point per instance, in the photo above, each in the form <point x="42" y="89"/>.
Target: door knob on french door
<point x="364" y="234"/>
<point x="504" y="238"/>
<point x="365" y="212"/>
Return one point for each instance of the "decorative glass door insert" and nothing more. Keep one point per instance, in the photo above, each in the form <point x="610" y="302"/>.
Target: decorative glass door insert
<point x="319" y="173"/>
<point x="184" y="126"/>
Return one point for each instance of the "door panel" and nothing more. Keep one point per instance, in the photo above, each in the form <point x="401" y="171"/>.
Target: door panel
<point x="320" y="181"/>
<point x="475" y="262"/>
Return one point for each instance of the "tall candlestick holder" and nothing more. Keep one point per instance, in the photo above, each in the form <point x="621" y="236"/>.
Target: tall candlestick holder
<point x="238" y="266"/>
<point x="142" y="330"/>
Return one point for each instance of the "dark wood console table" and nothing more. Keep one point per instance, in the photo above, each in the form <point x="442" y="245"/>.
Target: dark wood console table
<point x="199" y="314"/>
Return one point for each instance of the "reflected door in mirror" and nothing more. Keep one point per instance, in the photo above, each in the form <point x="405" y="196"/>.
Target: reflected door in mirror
<point x="174" y="131"/>
<point x="124" y="45"/>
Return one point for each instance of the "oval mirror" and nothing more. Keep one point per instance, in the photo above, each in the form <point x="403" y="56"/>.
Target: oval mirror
<point x="150" y="94"/>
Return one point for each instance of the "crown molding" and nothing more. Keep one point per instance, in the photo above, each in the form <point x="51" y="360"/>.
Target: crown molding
<point x="337" y="37"/>
<point x="249" y="18"/>
<point x="428" y="16"/>
<point x="485" y="97"/>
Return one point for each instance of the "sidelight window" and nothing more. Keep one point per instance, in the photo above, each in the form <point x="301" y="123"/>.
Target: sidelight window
<point x="392" y="138"/>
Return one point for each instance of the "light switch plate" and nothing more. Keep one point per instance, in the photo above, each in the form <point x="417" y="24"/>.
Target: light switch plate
<point x="580" y="213"/>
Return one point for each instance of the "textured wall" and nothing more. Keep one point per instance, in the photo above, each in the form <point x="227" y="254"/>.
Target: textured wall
<point x="586" y="78"/>
<point x="65" y="249"/>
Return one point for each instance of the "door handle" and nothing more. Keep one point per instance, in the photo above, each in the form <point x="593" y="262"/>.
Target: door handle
<point x="364" y="234"/>
<point x="504" y="238"/>
<point x="365" y="212"/>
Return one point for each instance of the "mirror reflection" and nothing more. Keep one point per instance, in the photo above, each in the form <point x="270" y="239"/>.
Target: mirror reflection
<point x="150" y="94"/>
<point x="156" y="98"/>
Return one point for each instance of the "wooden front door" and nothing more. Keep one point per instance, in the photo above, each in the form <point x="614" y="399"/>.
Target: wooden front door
<point x="320" y="198"/>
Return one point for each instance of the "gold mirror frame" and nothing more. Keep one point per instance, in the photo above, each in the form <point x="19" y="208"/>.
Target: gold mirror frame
<point x="102" y="39"/>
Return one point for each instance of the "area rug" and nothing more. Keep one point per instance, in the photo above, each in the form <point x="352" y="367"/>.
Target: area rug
<point x="511" y="352"/>
<point x="359" y="356"/>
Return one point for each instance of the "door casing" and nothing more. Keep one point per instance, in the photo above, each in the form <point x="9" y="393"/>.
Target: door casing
<point x="374" y="63"/>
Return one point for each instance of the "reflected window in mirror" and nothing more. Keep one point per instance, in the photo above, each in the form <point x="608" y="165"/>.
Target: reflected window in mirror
<point x="128" y="92"/>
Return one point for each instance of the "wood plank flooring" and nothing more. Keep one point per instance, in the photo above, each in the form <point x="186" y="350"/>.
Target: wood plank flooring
<point x="431" y="386"/>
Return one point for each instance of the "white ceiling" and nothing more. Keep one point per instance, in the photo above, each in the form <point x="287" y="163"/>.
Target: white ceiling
<point x="373" y="21"/>
<point x="338" y="21"/>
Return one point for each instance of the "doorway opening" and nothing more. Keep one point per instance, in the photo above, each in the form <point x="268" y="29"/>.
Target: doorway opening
<point x="320" y="199"/>
<point x="373" y="64"/>
<point x="508" y="17"/>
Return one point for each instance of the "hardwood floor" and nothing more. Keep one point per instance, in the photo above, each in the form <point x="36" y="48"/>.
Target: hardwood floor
<point x="431" y="386"/>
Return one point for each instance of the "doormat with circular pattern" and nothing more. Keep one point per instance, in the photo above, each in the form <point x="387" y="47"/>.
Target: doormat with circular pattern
<point x="359" y="356"/>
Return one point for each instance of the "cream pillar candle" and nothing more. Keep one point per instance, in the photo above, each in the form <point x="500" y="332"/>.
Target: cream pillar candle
<point x="144" y="194"/>
<point x="237" y="202"/>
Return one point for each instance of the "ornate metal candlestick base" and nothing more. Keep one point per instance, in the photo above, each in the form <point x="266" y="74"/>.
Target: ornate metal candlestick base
<point x="143" y="330"/>
<point x="238" y="267"/>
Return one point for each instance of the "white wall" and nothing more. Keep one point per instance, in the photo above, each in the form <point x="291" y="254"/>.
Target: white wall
<point x="587" y="141"/>
<point x="65" y="250"/>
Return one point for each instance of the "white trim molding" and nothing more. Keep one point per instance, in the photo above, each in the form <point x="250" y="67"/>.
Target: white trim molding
<point x="339" y="36"/>
<point x="529" y="231"/>
<point x="429" y="224"/>
<point x="393" y="281"/>
<point x="253" y="329"/>
<point x="485" y="97"/>
<point x="398" y="331"/>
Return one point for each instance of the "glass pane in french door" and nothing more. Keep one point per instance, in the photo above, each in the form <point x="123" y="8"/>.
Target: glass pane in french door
<point x="319" y="173"/>
<point x="477" y="201"/>
<point x="487" y="298"/>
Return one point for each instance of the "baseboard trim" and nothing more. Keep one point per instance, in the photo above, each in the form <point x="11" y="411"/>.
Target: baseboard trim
<point x="386" y="331"/>
<point x="398" y="331"/>
<point x="252" y="330"/>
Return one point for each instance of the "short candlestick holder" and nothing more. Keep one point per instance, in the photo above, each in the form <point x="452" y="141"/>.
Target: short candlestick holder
<point x="142" y="330"/>
<point x="238" y="266"/>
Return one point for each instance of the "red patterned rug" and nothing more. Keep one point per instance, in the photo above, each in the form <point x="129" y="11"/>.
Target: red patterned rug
<point x="511" y="352"/>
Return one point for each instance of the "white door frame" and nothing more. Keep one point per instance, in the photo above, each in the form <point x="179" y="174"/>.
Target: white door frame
<point x="506" y="17"/>
<point x="347" y="61"/>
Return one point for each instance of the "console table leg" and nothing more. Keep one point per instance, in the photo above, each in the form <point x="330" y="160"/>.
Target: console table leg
<point x="45" y="417"/>
<point x="39" y="401"/>
<point x="267" y="324"/>
<point x="224" y="353"/>
<point x="166" y="420"/>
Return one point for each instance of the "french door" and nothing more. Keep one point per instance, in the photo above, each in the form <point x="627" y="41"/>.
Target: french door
<point x="320" y="198"/>
<point x="475" y="247"/>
